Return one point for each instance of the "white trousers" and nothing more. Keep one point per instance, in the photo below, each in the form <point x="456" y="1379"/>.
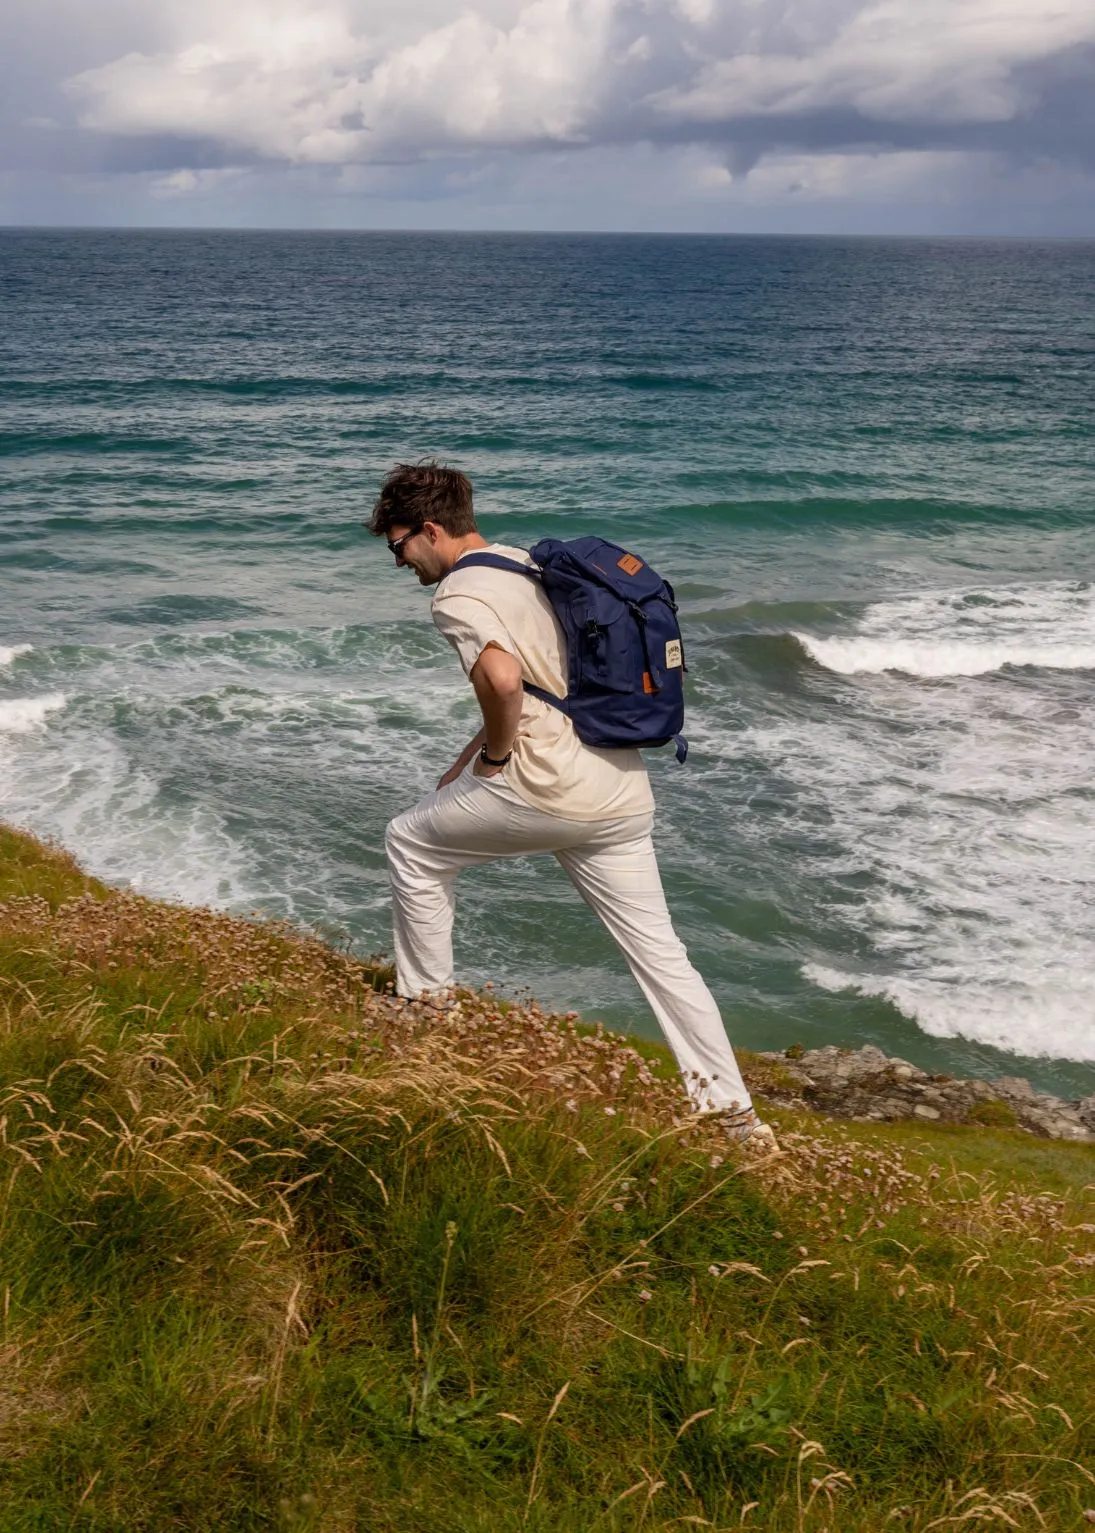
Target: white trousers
<point x="612" y="865"/>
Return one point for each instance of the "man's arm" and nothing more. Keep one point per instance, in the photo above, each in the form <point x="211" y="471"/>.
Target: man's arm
<point x="496" y="678"/>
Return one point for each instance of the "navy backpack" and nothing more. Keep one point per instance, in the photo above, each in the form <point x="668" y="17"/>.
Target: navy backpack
<point x="625" y="657"/>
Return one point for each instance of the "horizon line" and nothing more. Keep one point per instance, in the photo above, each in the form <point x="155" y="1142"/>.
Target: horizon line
<point x="677" y="234"/>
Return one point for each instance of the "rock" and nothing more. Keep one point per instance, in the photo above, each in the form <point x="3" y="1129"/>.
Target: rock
<point x="1013" y="1086"/>
<point x="1036" y="1122"/>
<point x="980" y="1091"/>
<point x="869" y="1086"/>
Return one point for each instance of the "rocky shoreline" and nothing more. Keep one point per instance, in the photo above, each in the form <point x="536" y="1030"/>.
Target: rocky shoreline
<point x="867" y="1085"/>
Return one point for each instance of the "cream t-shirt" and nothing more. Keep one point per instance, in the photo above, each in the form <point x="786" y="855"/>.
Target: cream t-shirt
<point x="550" y="767"/>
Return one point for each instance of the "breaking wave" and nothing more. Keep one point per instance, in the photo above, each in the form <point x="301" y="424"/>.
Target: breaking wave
<point x="22" y="715"/>
<point x="966" y="633"/>
<point x="1037" y="1020"/>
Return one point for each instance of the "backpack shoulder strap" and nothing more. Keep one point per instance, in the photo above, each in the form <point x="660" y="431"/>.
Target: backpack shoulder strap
<point x="488" y="561"/>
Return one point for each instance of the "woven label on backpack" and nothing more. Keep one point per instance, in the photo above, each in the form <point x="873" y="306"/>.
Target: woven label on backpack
<point x="673" y="655"/>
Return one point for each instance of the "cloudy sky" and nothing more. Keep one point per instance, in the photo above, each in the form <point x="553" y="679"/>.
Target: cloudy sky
<point x="861" y="116"/>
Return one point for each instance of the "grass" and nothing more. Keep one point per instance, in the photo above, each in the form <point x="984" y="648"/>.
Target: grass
<point x="280" y="1253"/>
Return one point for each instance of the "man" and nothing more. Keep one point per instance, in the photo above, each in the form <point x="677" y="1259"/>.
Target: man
<point x="526" y="783"/>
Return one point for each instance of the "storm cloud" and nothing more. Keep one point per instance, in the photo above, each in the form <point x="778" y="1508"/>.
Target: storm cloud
<point x="192" y="91"/>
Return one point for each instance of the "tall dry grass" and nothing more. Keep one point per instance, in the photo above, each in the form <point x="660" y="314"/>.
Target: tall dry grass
<point x="279" y="1251"/>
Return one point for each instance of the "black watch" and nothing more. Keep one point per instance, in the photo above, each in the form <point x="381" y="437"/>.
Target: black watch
<point x="490" y="760"/>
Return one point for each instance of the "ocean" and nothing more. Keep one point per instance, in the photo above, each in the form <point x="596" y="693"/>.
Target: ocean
<point x="867" y="466"/>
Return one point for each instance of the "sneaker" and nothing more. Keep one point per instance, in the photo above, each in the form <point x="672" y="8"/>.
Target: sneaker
<point x="745" y="1128"/>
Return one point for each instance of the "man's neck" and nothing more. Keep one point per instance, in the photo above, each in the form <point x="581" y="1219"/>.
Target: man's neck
<point x="458" y="546"/>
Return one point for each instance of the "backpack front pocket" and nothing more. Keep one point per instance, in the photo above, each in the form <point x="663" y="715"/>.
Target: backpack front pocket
<point x="602" y="650"/>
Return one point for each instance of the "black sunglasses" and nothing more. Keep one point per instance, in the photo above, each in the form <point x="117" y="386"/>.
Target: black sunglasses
<point x="395" y="545"/>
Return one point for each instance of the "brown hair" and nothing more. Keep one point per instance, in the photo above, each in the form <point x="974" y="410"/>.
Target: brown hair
<point x="414" y="493"/>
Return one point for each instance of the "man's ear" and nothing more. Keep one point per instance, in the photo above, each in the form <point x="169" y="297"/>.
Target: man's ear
<point x="433" y="531"/>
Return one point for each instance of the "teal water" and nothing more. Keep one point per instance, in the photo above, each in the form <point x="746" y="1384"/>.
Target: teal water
<point x="866" y="466"/>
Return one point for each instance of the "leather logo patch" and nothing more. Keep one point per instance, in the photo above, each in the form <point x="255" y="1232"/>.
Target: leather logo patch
<point x="629" y="564"/>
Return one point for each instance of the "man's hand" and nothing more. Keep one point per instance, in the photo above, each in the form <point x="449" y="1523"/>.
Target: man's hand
<point x="452" y="774"/>
<point x="462" y="760"/>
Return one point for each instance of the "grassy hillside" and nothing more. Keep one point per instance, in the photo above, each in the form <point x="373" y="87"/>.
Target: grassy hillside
<point x="281" y="1253"/>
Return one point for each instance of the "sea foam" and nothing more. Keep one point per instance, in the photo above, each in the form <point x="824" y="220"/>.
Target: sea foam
<point x="169" y="745"/>
<point x="950" y="849"/>
<point x="22" y="715"/>
<point x="966" y="633"/>
<point x="852" y="657"/>
<point x="1038" y="1019"/>
<point x="12" y="652"/>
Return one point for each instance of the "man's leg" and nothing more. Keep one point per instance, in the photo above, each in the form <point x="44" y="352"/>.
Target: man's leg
<point x="616" y="873"/>
<point x="473" y="820"/>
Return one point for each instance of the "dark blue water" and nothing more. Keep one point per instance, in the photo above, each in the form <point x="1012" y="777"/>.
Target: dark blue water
<point x="867" y="467"/>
